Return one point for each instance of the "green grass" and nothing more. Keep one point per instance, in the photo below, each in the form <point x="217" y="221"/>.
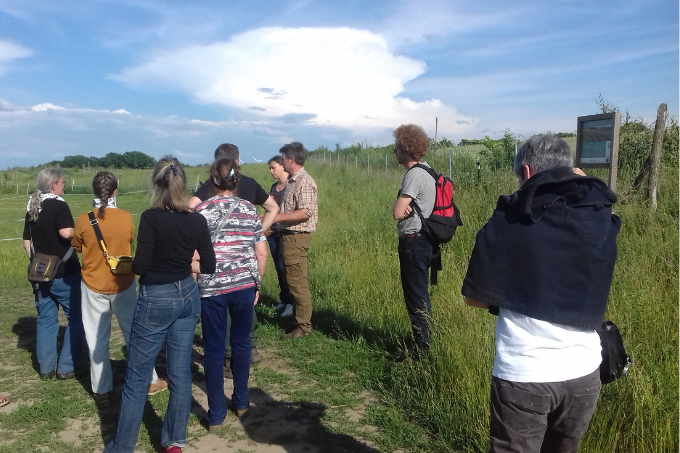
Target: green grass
<point x="361" y="325"/>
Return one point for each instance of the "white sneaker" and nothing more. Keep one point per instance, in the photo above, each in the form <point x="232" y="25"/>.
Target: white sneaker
<point x="287" y="312"/>
<point x="280" y="306"/>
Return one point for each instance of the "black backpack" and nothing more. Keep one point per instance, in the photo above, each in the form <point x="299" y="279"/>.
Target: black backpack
<point x="441" y="225"/>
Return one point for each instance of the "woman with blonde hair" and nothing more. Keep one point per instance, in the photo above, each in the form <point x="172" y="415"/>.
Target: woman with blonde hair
<point x="48" y="229"/>
<point x="104" y="292"/>
<point x="168" y="307"/>
<point x="241" y="259"/>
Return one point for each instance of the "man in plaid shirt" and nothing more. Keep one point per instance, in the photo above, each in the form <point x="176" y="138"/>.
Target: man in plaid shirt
<point x="298" y="216"/>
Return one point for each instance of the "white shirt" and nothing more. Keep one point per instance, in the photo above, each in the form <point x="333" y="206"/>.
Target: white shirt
<point x="530" y="350"/>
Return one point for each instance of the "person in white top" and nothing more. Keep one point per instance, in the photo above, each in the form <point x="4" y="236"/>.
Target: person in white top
<point x="544" y="264"/>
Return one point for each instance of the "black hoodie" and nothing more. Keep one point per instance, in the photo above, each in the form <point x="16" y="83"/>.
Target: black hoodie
<point x="548" y="251"/>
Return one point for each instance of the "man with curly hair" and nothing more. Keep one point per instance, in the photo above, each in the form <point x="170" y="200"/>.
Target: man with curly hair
<point x="415" y="249"/>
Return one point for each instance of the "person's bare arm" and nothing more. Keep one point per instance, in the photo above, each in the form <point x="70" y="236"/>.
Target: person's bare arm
<point x="261" y="257"/>
<point x="476" y="303"/>
<point x="271" y="209"/>
<point x="193" y="202"/>
<point x="67" y="233"/>
<point x="402" y="207"/>
<point x="296" y="216"/>
<point x="27" y="247"/>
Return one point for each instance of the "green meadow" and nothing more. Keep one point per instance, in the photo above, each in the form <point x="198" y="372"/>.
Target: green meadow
<point x="361" y="325"/>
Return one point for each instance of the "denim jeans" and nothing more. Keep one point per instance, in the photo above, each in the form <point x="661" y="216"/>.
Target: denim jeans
<point x="415" y="254"/>
<point x="49" y="296"/>
<point x="275" y="247"/>
<point x="549" y="417"/>
<point x="165" y="313"/>
<point x="97" y="309"/>
<point x="214" y="312"/>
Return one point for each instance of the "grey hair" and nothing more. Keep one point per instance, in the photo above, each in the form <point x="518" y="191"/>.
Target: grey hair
<point x="43" y="184"/>
<point x="543" y="152"/>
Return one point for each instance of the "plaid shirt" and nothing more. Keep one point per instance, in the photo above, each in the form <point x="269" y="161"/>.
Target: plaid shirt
<point x="301" y="194"/>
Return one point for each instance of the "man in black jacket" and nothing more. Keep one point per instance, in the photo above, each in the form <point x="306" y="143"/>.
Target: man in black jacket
<point x="544" y="264"/>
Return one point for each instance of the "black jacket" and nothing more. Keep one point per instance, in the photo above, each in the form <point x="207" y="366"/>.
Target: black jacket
<point x="548" y="251"/>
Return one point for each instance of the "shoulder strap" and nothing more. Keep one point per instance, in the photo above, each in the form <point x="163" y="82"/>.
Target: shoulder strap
<point x="98" y="232"/>
<point x="430" y="170"/>
<point x="222" y="222"/>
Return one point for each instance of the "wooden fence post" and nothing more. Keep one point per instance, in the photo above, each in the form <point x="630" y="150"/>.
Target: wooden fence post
<point x="657" y="145"/>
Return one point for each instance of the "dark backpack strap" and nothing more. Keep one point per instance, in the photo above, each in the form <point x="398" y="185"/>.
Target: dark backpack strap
<point x="95" y="225"/>
<point x="430" y="170"/>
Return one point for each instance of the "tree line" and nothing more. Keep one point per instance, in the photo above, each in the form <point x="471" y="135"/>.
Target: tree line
<point x="130" y="159"/>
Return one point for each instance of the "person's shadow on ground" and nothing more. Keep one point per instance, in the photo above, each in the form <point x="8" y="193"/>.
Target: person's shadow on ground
<point x="296" y="426"/>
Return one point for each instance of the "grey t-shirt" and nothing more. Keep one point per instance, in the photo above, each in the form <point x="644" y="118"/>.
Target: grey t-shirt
<point x="419" y="185"/>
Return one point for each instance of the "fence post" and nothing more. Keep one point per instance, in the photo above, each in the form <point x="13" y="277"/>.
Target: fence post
<point x="657" y="144"/>
<point x="450" y="166"/>
<point x="385" y="165"/>
<point x="368" y="160"/>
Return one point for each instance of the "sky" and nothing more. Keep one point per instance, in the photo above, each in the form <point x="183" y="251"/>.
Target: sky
<point x="180" y="78"/>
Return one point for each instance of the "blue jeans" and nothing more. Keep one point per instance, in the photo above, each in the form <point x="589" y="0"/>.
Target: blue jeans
<point x="165" y="313"/>
<point x="239" y="304"/>
<point x="415" y="254"/>
<point x="65" y="292"/>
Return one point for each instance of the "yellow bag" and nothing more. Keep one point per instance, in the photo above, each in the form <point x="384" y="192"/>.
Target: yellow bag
<point x="119" y="264"/>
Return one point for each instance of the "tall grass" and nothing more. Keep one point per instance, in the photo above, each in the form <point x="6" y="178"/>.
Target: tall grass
<point x="356" y="292"/>
<point x="355" y="280"/>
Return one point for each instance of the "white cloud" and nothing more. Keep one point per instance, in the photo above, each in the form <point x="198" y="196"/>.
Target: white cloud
<point x="9" y="52"/>
<point x="338" y="77"/>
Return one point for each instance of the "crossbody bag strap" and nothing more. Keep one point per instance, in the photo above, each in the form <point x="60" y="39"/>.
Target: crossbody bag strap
<point x="98" y="232"/>
<point x="222" y="222"/>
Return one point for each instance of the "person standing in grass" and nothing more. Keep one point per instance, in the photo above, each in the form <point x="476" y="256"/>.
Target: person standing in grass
<point x="167" y="310"/>
<point x="415" y="249"/>
<point x="277" y="190"/>
<point x="233" y="288"/>
<point x="104" y="292"/>
<point x="298" y="217"/>
<point x="247" y="189"/>
<point x="48" y="229"/>
<point x="543" y="264"/>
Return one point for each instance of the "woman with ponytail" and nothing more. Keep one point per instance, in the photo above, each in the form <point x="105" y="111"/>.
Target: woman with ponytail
<point x="167" y="310"/>
<point x="104" y="292"/>
<point x="48" y="229"/>
<point x="241" y="258"/>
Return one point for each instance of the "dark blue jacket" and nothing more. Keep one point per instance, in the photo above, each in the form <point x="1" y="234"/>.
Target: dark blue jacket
<point x="548" y="251"/>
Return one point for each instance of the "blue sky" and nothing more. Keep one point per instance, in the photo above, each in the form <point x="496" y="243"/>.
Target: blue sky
<point x="182" y="77"/>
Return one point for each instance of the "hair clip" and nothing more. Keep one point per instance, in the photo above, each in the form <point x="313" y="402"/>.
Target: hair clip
<point x="231" y="174"/>
<point x="216" y="182"/>
<point x="173" y="167"/>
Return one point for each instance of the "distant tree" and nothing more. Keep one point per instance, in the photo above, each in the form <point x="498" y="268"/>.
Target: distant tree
<point x="565" y="134"/>
<point x="137" y="159"/>
<point x="499" y="153"/>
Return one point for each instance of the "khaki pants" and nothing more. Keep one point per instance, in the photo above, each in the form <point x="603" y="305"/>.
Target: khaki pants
<point x="295" y="248"/>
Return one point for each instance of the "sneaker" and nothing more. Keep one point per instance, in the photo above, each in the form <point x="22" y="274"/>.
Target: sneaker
<point x="173" y="449"/>
<point x="287" y="312"/>
<point x="240" y="413"/>
<point x="280" y="306"/>
<point x="255" y="356"/>
<point x="157" y="387"/>
<point x="65" y="376"/>
<point x="47" y="376"/>
<point x="215" y="428"/>
<point x="227" y="368"/>
<point x="101" y="397"/>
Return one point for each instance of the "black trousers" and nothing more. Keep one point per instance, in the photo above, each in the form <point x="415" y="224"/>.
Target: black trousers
<point x="415" y="254"/>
